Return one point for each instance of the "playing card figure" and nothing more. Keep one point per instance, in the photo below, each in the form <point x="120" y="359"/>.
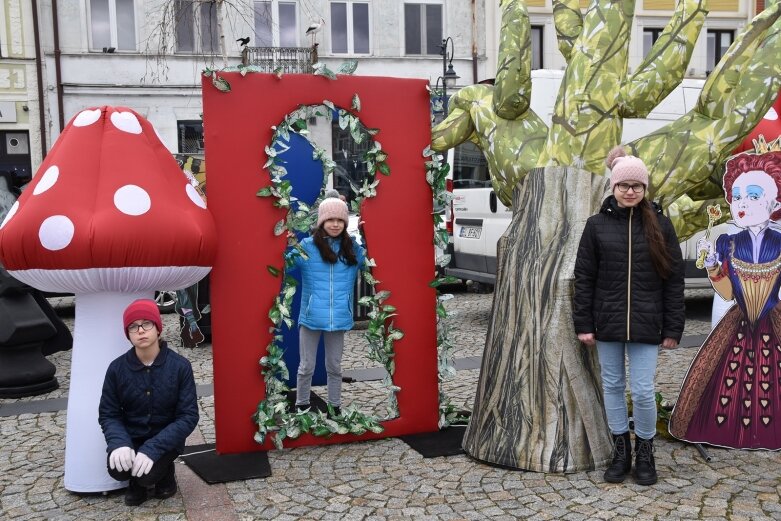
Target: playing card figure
<point x="731" y="396"/>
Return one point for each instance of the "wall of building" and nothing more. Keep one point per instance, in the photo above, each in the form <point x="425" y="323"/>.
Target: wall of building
<point x="18" y="85"/>
<point x="165" y="86"/>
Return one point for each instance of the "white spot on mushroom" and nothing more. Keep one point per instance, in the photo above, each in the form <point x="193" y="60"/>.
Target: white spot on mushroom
<point x="86" y="117"/>
<point x="56" y="232"/>
<point x="11" y="212"/>
<point x="194" y="196"/>
<point x="126" y="122"/>
<point x="47" y="180"/>
<point x="771" y="115"/>
<point x="132" y="200"/>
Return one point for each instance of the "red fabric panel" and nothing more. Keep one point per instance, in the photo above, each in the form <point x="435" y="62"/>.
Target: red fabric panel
<point x="398" y="231"/>
<point x="94" y="161"/>
<point x="769" y="126"/>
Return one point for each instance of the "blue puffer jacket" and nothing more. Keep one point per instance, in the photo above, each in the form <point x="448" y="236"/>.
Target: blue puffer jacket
<point x="328" y="289"/>
<point x="151" y="409"/>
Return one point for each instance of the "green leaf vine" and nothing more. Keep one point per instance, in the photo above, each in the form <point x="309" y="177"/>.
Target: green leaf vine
<point x="436" y="176"/>
<point x="273" y="416"/>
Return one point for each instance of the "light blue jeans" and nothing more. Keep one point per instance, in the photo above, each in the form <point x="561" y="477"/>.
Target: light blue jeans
<point x="307" y="347"/>
<point x="642" y="370"/>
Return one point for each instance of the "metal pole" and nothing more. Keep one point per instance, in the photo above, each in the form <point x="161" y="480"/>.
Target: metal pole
<point x="444" y="71"/>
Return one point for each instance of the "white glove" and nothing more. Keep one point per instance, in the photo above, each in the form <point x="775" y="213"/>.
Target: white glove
<point x="711" y="257"/>
<point x="141" y="465"/>
<point x="121" y="458"/>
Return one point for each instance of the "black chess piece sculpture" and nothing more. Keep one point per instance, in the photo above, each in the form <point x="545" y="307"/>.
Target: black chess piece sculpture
<point x="24" y="328"/>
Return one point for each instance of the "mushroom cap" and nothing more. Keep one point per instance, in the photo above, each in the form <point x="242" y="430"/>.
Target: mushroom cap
<point x="109" y="196"/>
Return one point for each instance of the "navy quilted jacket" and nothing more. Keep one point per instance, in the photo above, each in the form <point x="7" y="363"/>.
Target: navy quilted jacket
<point x="618" y="295"/>
<point x="328" y="289"/>
<point x="151" y="409"/>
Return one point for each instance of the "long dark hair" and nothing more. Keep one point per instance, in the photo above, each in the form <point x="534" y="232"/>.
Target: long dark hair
<point x="657" y="246"/>
<point x="346" y="252"/>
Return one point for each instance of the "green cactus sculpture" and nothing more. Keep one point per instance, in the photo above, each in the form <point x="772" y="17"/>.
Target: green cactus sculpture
<point x="538" y="390"/>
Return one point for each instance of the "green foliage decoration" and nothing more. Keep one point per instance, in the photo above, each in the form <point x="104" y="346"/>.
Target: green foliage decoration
<point x="436" y="176"/>
<point x="273" y="416"/>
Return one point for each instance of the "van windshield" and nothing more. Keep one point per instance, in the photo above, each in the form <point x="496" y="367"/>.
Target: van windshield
<point x="470" y="169"/>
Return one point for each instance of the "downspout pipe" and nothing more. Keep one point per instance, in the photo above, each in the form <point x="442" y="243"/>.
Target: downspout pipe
<point x="39" y="76"/>
<point x="474" y="41"/>
<point x="56" y="34"/>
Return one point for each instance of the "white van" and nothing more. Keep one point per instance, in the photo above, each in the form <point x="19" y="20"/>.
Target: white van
<point x="479" y="218"/>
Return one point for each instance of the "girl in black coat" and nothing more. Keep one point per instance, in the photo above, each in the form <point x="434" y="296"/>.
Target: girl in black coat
<point x="629" y="299"/>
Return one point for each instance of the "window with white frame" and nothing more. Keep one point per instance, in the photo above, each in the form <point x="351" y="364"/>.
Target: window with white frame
<point x="422" y="28"/>
<point x="718" y="41"/>
<point x="537" y="48"/>
<point x="113" y="24"/>
<point x="350" y="28"/>
<point x="196" y="27"/>
<point x="276" y="24"/>
<point x="650" y="35"/>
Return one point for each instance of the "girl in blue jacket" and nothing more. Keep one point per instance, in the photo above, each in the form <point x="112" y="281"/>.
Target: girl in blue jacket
<point x="328" y="278"/>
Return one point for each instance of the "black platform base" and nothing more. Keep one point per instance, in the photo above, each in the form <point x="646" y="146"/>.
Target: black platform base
<point x="446" y="442"/>
<point x="222" y="468"/>
<point x="21" y="391"/>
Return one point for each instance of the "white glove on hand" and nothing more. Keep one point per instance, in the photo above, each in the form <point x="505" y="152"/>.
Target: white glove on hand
<point x="121" y="458"/>
<point x="141" y="465"/>
<point x="711" y="257"/>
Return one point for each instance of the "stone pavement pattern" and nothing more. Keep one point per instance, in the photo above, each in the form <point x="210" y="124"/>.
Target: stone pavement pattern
<point x="384" y="480"/>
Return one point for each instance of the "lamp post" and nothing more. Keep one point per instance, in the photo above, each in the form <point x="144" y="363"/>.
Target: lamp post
<point x="449" y="75"/>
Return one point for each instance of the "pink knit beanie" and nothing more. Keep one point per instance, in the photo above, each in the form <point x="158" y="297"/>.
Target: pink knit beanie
<point x="625" y="168"/>
<point x="332" y="208"/>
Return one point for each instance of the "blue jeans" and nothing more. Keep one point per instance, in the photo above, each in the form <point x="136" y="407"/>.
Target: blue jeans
<point x="642" y="370"/>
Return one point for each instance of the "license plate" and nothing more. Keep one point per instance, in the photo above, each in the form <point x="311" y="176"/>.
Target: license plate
<point x="470" y="232"/>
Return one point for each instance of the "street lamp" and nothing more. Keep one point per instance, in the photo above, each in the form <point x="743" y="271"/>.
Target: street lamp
<point x="449" y="76"/>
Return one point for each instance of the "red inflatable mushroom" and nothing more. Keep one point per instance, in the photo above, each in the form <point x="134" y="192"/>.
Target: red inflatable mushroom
<point x="110" y="217"/>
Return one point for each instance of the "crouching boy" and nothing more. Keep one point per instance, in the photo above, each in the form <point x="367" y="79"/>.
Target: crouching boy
<point x="148" y="407"/>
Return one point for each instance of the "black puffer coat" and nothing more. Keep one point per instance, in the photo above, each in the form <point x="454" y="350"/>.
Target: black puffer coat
<point x="618" y="295"/>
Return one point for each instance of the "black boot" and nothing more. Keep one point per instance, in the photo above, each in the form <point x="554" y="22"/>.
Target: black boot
<point x="622" y="459"/>
<point x="645" y="466"/>
<point x="135" y="494"/>
<point x="337" y="411"/>
<point x="166" y="487"/>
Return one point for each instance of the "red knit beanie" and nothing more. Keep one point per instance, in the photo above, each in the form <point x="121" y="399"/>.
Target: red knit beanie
<point x="332" y="208"/>
<point x="142" y="309"/>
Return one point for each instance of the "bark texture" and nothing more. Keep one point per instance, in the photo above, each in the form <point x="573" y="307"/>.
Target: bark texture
<point x="539" y="401"/>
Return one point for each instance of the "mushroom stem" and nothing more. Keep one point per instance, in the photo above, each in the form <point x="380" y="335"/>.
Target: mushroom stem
<point x="97" y="340"/>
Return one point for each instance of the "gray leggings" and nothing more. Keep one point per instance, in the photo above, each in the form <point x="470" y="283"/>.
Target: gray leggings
<point x="307" y="348"/>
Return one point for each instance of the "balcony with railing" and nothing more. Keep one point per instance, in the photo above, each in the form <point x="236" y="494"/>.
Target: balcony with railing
<point x="287" y="60"/>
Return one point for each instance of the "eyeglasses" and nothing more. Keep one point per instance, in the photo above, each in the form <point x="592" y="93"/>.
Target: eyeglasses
<point x="624" y="188"/>
<point x="146" y="325"/>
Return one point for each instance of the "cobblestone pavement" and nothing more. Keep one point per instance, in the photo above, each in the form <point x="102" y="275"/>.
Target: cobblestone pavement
<point x="385" y="479"/>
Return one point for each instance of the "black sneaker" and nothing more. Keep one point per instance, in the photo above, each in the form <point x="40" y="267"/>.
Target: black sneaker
<point x="302" y="407"/>
<point x="166" y="487"/>
<point x="337" y="411"/>
<point x="135" y="494"/>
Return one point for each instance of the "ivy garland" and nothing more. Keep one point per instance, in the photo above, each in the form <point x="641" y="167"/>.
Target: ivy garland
<point x="273" y="415"/>
<point x="436" y="176"/>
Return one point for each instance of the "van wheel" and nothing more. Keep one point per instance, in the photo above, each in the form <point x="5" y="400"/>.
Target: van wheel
<point x="166" y="301"/>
